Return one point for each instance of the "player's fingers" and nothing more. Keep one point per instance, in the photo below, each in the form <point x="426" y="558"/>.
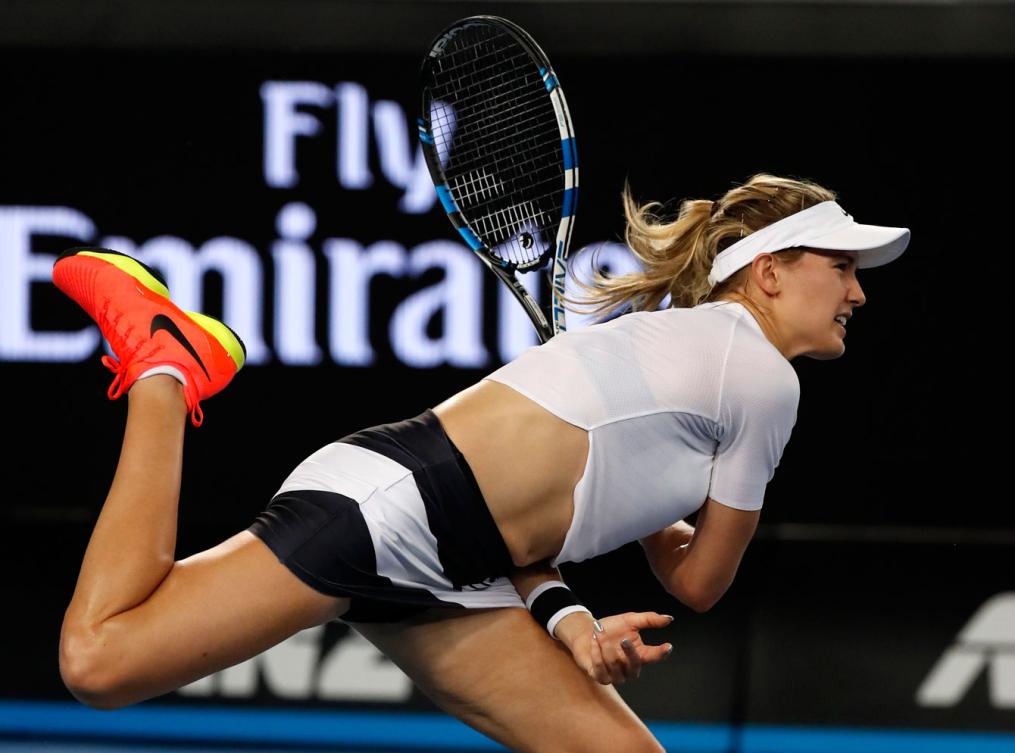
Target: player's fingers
<point x="652" y="654"/>
<point x="617" y="674"/>
<point x="633" y="659"/>
<point x="612" y="663"/>
<point x="643" y="620"/>
<point x="600" y="673"/>
<point x="616" y="662"/>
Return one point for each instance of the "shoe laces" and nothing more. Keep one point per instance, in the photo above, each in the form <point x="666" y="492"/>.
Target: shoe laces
<point x="131" y="353"/>
<point x="119" y="385"/>
<point x="122" y="347"/>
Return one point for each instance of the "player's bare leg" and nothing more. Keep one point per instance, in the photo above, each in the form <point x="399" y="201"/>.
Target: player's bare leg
<point x="141" y="624"/>
<point x="501" y="673"/>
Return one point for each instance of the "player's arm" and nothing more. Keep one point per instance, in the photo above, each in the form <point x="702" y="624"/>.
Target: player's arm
<point x="613" y="656"/>
<point x="756" y="415"/>
<point x="697" y="565"/>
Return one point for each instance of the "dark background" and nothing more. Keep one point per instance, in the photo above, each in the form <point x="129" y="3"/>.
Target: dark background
<point x="889" y="521"/>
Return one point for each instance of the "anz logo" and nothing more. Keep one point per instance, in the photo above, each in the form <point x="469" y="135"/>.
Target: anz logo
<point x="299" y="669"/>
<point x="986" y="644"/>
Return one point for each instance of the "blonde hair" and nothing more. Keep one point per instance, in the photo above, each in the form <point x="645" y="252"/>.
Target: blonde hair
<point x="676" y="255"/>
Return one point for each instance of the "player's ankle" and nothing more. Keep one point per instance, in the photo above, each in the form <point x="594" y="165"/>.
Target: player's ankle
<point x="164" y="370"/>
<point x="158" y="383"/>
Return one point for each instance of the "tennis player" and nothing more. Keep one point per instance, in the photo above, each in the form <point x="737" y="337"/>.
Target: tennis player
<point x="438" y="538"/>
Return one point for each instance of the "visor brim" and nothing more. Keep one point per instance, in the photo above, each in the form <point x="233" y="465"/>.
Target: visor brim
<point x="876" y="245"/>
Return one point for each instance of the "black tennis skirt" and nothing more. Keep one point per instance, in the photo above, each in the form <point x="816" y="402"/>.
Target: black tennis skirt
<point x="391" y="517"/>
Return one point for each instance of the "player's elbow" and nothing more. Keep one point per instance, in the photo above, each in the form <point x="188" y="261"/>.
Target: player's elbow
<point x="701" y="602"/>
<point x="694" y="596"/>
<point x="705" y="603"/>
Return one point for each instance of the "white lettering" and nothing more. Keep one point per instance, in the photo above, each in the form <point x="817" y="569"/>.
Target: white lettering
<point x="286" y="669"/>
<point x="353" y="670"/>
<point x="399" y="152"/>
<point x="295" y="287"/>
<point x="21" y="268"/>
<point x="986" y="642"/>
<point x="401" y="158"/>
<point x="350" y="271"/>
<point x="283" y="123"/>
<point x="352" y="166"/>
<point x="239" y="266"/>
<point x="458" y="299"/>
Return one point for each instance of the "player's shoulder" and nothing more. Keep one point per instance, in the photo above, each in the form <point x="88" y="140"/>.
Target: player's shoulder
<point x="753" y="364"/>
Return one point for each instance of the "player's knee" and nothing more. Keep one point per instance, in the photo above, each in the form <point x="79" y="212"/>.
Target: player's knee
<point x="90" y="672"/>
<point x="84" y="674"/>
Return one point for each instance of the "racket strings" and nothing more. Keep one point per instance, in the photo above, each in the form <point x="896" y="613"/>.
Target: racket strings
<point x="492" y="106"/>
<point x="478" y="189"/>
<point x="497" y="103"/>
<point x="498" y="128"/>
<point x="455" y="75"/>
<point x="468" y="83"/>
<point x="479" y="44"/>
<point x="535" y="180"/>
<point x="503" y="225"/>
<point x="510" y="131"/>
<point x="534" y="207"/>
<point x="475" y="190"/>
<point x="522" y="162"/>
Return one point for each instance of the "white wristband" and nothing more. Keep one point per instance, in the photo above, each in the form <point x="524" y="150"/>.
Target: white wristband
<point x="552" y="624"/>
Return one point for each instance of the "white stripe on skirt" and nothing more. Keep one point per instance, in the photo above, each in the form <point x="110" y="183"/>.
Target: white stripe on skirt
<point x="391" y="505"/>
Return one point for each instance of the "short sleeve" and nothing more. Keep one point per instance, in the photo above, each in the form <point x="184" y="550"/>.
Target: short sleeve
<point x="757" y="411"/>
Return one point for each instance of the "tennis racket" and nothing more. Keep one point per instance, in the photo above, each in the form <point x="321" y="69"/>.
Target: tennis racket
<point x="497" y="138"/>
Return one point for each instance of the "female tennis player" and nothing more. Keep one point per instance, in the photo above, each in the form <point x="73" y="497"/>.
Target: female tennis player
<point x="438" y="537"/>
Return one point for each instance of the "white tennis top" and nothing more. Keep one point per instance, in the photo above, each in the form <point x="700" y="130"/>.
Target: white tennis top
<point x="680" y="405"/>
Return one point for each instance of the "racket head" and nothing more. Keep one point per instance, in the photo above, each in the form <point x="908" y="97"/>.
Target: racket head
<point x="498" y="141"/>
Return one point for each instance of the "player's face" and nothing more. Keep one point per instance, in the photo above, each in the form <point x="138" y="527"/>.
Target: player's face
<point x="820" y="287"/>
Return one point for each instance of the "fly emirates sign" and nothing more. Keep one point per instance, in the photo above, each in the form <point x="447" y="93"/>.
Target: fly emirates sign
<point x="293" y="117"/>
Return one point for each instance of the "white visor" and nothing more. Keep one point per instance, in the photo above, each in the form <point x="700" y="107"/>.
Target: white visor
<point x="826" y="226"/>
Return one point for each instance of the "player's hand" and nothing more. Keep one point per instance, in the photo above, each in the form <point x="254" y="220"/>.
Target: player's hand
<point x="618" y="653"/>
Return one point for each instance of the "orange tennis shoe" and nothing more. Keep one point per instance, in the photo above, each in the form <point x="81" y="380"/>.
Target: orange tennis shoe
<point x="130" y="303"/>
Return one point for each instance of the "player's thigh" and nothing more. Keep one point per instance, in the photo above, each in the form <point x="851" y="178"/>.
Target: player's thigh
<point x="213" y="610"/>
<point x="501" y="673"/>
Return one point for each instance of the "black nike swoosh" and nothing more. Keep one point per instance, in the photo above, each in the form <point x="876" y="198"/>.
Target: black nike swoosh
<point x="161" y="321"/>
